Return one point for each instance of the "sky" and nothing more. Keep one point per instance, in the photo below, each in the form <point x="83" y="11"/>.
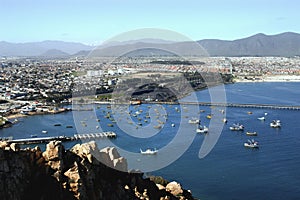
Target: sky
<point x="95" y="21"/>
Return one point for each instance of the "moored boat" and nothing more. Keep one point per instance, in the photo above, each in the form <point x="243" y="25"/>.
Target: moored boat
<point x="251" y="133"/>
<point x="275" y="124"/>
<point x="149" y="152"/>
<point x="251" y="144"/>
<point x="236" y="127"/>
<point x="202" y="129"/>
<point x="261" y="118"/>
<point x="194" y="121"/>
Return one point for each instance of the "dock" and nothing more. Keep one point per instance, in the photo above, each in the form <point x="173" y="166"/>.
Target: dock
<point x="238" y="105"/>
<point x="39" y="140"/>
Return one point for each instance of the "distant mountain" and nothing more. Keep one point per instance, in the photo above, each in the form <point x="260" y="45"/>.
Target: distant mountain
<point x="54" y="53"/>
<point x="40" y="48"/>
<point x="284" y="44"/>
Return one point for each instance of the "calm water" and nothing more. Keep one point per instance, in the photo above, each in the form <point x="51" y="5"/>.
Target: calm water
<point x="229" y="171"/>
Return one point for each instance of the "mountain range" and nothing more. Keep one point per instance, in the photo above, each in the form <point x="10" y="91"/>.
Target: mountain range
<point x="284" y="44"/>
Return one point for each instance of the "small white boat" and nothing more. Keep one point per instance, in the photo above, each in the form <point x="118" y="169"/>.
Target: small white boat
<point x="261" y="118"/>
<point x="236" y="127"/>
<point x="194" y="121"/>
<point x="201" y="129"/>
<point x="148" y="152"/>
<point x="44" y="131"/>
<point x="251" y="133"/>
<point x="251" y="144"/>
<point x="173" y="125"/>
<point x="275" y="124"/>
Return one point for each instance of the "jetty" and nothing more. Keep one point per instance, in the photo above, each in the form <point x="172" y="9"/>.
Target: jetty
<point x="238" y="105"/>
<point x="39" y="140"/>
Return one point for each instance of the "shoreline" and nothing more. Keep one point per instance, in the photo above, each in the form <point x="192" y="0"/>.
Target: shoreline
<point x="271" y="78"/>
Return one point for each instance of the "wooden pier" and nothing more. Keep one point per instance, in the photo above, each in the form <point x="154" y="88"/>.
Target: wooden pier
<point x="87" y="136"/>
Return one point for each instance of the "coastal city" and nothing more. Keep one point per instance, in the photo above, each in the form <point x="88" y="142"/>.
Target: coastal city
<point x="41" y="86"/>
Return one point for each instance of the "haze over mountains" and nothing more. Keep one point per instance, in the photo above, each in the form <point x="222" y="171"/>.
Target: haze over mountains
<point x="284" y="44"/>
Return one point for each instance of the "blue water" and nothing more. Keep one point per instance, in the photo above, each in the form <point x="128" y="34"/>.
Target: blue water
<point x="229" y="171"/>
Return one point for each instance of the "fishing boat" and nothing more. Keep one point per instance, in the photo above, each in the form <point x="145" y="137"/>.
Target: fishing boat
<point x="194" y="121"/>
<point x="149" y="152"/>
<point x="209" y="116"/>
<point x="275" y="124"/>
<point x="251" y="144"/>
<point x="157" y="126"/>
<point x="202" y="129"/>
<point x="251" y="133"/>
<point x="236" y="127"/>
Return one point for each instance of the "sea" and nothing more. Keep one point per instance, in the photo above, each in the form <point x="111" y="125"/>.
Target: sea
<point x="227" y="169"/>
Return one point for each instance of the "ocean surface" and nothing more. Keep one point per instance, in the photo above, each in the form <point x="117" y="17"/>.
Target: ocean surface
<point x="229" y="170"/>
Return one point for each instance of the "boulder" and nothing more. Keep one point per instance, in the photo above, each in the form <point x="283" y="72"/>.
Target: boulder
<point x="174" y="188"/>
<point x="14" y="147"/>
<point x="111" y="158"/>
<point x="54" y="151"/>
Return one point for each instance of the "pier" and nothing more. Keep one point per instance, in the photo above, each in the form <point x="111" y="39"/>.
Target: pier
<point x="39" y="140"/>
<point x="238" y="105"/>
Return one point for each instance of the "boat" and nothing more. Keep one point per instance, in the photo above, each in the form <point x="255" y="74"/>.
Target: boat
<point x="173" y="125"/>
<point x="251" y="133"/>
<point x="261" y="118"/>
<point x="251" y="144"/>
<point x="194" y="121"/>
<point x="236" y="127"/>
<point x="157" y="126"/>
<point x="275" y="124"/>
<point x="44" y="131"/>
<point x="33" y="136"/>
<point x="209" y="116"/>
<point x="149" y="152"/>
<point x="225" y="120"/>
<point x="57" y="124"/>
<point x="202" y="129"/>
<point x="69" y="126"/>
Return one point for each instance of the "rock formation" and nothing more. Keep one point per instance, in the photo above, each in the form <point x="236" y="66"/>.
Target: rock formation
<point x="78" y="173"/>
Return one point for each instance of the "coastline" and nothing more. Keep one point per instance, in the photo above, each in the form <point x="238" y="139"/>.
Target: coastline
<point x="271" y="78"/>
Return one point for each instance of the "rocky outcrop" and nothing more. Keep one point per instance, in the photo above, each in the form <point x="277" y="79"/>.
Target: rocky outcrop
<point x="78" y="173"/>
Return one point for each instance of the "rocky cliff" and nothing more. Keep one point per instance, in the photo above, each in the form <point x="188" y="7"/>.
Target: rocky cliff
<point x="78" y="173"/>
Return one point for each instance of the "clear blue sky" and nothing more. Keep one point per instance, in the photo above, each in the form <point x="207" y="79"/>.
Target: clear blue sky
<point x="90" y="21"/>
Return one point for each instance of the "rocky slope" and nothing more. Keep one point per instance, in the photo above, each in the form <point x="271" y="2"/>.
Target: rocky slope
<point x="78" y="173"/>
